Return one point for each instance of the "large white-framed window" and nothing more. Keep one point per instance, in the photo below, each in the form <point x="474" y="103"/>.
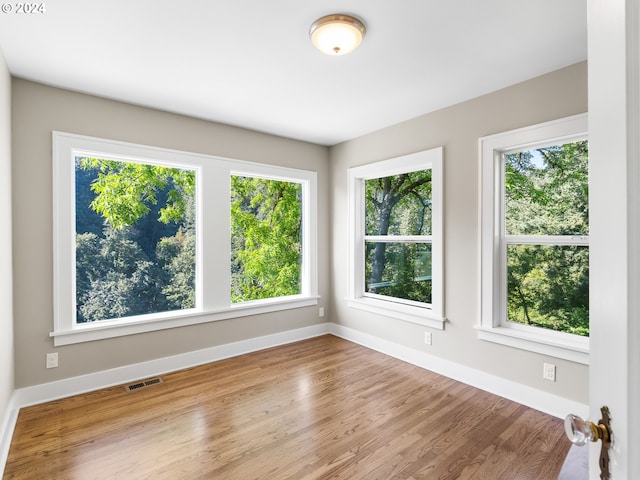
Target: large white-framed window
<point x="396" y="261"/>
<point x="535" y="238"/>
<point x="147" y="238"/>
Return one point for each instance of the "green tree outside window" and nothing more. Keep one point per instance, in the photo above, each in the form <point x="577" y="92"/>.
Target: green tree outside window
<point x="546" y="197"/>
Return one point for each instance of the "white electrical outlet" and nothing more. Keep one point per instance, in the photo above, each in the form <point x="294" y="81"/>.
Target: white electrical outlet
<point x="321" y="312"/>
<point x="427" y="338"/>
<point x="549" y="372"/>
<point x="52" y="360"/>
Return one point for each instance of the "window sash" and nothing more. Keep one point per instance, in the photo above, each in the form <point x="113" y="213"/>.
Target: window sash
<point x="406" y="240"/>
<point x="401" y="301"/>
<point x="504" y="315"/>
<point x="398" y="238"/>
<point x="558" y="240"/>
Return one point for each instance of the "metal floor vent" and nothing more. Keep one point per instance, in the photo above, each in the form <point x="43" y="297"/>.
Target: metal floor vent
<point x="140" y="385"/>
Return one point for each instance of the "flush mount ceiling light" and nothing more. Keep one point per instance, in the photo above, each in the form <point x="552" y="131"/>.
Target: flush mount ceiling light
<point x="337" y="34"/>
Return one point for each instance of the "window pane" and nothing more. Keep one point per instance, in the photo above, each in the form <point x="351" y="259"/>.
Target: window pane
<point x="135" y="239"/>
<point x="266" y="238"/>
<point x="399" y="205"/>
<point x="548" y="287"/>
<point x="400" y="270"/>
<point x="546" y="191"/>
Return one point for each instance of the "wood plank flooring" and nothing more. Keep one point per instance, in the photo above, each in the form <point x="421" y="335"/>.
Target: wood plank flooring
<point x="323" y="408"/>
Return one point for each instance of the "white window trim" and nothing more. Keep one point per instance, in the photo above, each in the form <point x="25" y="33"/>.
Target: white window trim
<point x="432" y="315"/>
<point x="212" y="266"/>
<point x="493" y="326"/>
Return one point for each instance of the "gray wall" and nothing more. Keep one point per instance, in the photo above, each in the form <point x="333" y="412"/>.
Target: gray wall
<point x="37" y="110"/>
<point x="6" y="289"/>
<point x="457" y="129"/>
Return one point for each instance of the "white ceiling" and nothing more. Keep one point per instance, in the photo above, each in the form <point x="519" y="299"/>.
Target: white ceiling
<point x="250" y="63"/>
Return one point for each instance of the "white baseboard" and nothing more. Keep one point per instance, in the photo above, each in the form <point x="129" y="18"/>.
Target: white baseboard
<point x="23" y="397"/>
<point x="86" y="383"/>
<point x="531" y="397"/>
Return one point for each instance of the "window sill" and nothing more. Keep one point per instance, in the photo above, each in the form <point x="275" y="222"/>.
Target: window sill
<point x="418" y="315"/>
<point x="575" y="351"/>
<point x="148" y="323"/>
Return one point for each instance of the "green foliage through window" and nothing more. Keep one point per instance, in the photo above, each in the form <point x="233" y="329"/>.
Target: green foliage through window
<point x="135" y="239"/>
<point x="407" y="271"/>
<point x="546" y="194"/>
<point x="266" y="238"/>
<point x="398" y="208"/>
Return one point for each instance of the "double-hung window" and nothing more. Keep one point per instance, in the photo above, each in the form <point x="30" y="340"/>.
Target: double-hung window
<point x="535" y="238"/>
<point x="147" y="238"/>
<point x="396" y="238"/>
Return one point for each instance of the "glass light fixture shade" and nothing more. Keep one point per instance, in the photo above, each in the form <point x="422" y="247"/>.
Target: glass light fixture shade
<point x="337" y="34"/>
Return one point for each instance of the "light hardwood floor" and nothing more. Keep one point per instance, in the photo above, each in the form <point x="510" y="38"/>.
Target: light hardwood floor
<point x="323" y="408"/>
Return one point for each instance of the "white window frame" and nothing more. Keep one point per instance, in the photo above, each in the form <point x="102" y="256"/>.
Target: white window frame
<point x="429" y="315"/>
<point x="213" y="277"/>
<point x="493" y="324"/>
